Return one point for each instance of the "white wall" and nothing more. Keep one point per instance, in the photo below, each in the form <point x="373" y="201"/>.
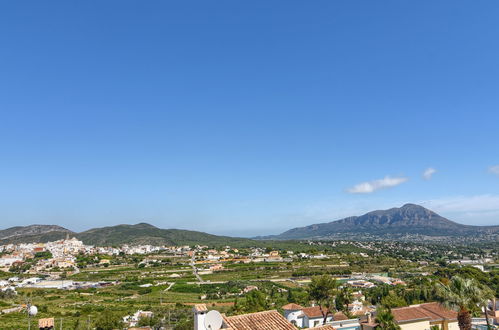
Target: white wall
<point x="294" y="316"/>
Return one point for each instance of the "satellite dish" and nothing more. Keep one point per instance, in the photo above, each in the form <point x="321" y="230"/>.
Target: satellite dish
<point x="32" y="310"/>
<point x="213" y="320"/>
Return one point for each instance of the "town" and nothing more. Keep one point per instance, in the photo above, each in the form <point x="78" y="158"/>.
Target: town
<point x="173" y="287"/>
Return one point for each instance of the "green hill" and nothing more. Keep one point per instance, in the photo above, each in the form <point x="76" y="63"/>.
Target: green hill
<point x="33" y="233"/>
<point x="144" y="233"/>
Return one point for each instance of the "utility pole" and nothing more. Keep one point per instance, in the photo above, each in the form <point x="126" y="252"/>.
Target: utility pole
<point x="61" y="323"/>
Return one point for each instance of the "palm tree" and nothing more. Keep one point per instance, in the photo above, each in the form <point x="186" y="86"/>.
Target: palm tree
<point x="487" y="294"/>
<point x="344" y="298"/>
<point x="462" y="295"/>
<point x="386" y="319"/>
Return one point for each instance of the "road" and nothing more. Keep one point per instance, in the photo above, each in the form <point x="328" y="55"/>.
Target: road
<point x="194" y="269"/>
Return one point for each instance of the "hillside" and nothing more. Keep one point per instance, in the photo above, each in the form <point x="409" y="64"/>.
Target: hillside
<point x="33" y="233"/>
<point x="141" y="233"/>
<point x="144" y="233"/>
<point x="409" y="219"/>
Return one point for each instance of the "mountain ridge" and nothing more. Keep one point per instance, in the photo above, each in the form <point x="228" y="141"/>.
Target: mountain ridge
<point x="140" y="233"/>
<point x="408" y="219"/>
<point x="394" y="223"/>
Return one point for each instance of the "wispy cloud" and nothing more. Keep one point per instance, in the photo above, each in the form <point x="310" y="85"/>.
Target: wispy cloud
<point x="465" y="203"/>
<point x="428" y="173"/>
<point x="478" y="209"/>
<point x="371" y="186"/>
<point x="494" y="169"/>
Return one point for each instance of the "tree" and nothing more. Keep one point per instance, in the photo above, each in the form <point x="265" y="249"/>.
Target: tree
<point x="462" y="295"/>
<point x="487" y="294"/>
<point x="256" y="301"/>
<point x="386" y="319"/>
<point x="393" y="300"/>
<point x="323" y="290"/>
<point x="108" y="321"/>
<point x="344" y="298"/>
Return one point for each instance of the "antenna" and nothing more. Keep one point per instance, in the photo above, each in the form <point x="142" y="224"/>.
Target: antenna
<point x="213" y="320"/>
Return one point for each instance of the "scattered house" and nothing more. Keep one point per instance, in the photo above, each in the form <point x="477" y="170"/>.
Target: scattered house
<point x="310" y="317"/>
<point x="133" y="320"/>
<point x="398" y="282"/>
<point x="216" y="267"/>
<point x="267" y="320"/>
<point x="7" y="261"/>
<point x="292" y="313"/>
<point x="421" y="316"/>
<point x="29" y="281"/>
<point x="363" y="284"/>
<point x="249" y="288"/>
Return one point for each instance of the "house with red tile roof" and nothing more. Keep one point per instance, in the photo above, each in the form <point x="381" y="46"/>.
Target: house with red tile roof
<point x="309" y="317"/>
<point x="421" y="317"/>
<point x="267" y="320"/>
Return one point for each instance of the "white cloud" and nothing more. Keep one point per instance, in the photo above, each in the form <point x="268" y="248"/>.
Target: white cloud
<point x="494" y="169"/>
<point x="372" y="186"/>
<point x="428" y="173"/>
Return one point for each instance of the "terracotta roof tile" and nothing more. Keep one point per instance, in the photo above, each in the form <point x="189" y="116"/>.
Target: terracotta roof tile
<point x="46" y="323"/>
<point x="323" y="327"/>
<point x="268" y="320"/>
<point x="430" y="311"/>
<point x="405" y="314"/>
<point x="340" y="316"/>
<point x="439" y="311"/>
<point x="200" y="308"/>
<point x="292" y="307"/>
<point x="313" y="312"/>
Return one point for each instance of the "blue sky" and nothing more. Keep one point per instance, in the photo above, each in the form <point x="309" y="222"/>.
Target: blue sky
<point x="246" y="118"/>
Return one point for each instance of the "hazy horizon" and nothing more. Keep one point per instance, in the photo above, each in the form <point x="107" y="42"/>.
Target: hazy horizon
<point x="247" y="118"/>
<point x="264" y="231"/>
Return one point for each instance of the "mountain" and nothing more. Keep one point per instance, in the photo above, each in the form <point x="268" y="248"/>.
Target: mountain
<point x="409" y="219"/>
<point x="144" y="233"/>
<point x="141" y="233"/>
<point x="33" y="233"/>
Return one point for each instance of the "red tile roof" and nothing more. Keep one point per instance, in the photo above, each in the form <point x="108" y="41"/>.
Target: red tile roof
<point x="429" y="311"/>
<point x="438" y="312"/>
<point x="292" y="307"/>
<point x="46" y="323"/>
<point x="200" y="308"/>
<point x="323" y="327"/>
<point x="405" y="314"/>
<point x="314" y="312"/>
<point x="340" y="317"/>
<point x="268" y="320"/>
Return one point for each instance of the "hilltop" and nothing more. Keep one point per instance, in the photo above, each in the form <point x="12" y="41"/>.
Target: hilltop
<point x="33" y="233"/>
<point x="410" y="219"/>
<point x="144" y="233"/>
<point x="141" y="233"/>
